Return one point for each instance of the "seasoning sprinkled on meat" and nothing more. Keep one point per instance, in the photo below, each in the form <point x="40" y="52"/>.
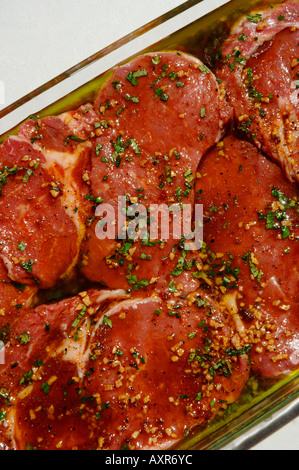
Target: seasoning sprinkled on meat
<point x="259" y="67"/>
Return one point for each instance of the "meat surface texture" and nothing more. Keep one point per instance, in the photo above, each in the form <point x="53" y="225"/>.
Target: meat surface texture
<point x="14" y="296"/>
<point x="165" y="334"/>
<point x="259" y="67"/>
<point x="42" y="206"/>
<point x="104" y="371"/>
<point x="158" y="115"/>
<point x="251" y="220"/>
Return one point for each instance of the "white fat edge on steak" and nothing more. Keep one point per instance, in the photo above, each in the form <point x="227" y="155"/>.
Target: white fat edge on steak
<point x="77" y="351"/>
<point x="70" y="198"/>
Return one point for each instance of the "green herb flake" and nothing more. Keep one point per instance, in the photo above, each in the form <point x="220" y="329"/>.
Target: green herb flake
<point x="24" y="338"/>
<point x="27" y="265"/>
<point x="172" y="286"/>
<point x="134" y="99"/>
<point x="204" y="69"/>
<point x="107" y="321"/>
<point x="79" y="317"/>
<point x="120" y="110"/>
<point x="98" y="148"/>
<point x="254" y="18"/>
<point x="256" y="273"/>
<point x="238" y="352"/>
<point x="27" y="175"/>
<point x="116" y="85"/>
<point x="135" y="147"/>
<point x="156" y="60"/>
<point x="75" y="138"/>
<point x="26" y="378"/>
<point x="46" y="387"/>
<point x="136" y="74"/>
<point x="192" y="335"/>
<point x="22" y="246"/>
<point x="135" y="283"/>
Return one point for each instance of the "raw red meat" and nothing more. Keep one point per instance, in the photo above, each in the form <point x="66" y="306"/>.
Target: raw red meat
<point x="63" y="132"/>
<point x="139" y="367"/>
<point x="260" y="71"/>
<point x="43" y="209"/>
<point x="13" y="293"/>
<point x="14" y="298"/>
<point x="102" y="371"/>
<point x="158" y="115"/>
<point x="251" y="220"/>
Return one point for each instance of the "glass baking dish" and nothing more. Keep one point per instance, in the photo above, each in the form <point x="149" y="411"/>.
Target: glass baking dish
<point x="197" y="27"/>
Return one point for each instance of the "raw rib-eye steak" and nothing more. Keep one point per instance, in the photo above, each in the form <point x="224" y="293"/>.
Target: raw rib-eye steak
<point x="259" y="66"/>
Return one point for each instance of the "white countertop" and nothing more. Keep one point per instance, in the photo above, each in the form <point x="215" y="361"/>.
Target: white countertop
<point x="40" y="39"/>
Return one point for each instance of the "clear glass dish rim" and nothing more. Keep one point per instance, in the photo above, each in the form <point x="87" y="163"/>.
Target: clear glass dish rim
<point x="99" y="55"/>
